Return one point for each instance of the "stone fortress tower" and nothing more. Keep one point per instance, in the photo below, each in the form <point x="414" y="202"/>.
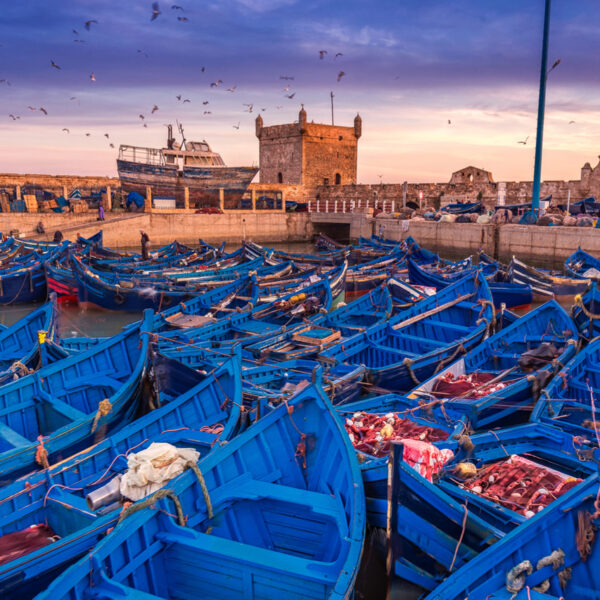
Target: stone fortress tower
<point x="308" y="154"/>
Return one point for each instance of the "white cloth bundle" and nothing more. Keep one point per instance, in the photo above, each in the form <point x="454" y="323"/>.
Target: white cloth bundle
<point x="151" y="468"/>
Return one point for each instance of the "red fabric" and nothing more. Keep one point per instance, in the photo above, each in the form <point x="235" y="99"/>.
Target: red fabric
<point x="16" y="544"/>
<point x="520" y="484"/>
<point x="374" y="433"/>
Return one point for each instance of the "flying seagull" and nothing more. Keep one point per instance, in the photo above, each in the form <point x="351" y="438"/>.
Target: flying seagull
<point x="338" y="54"/>
<point x="183" y="19"/>
<point x="92" y="77"/>
<point x="205" y="102"/>
<point x="178" y="97"/>
<point x="286" y="77"/>
<point x="236" y="126"/>
<point x="80" y="41"/>
<point x="155" y="11"/>
<point x="143" y="52"/>
<point x="112" y="145"/>
<point x="88" y="24"/>
<point x="290" y="96"/>
<point x="216" y="83"/>
<point x="556" y="63"/>
<point x="340" y="75"/>
<point x="322" y="54"/>
<point x="176" y="7"/>
<point x="106" y="135"/>
<point x="571" y="122"/>
<point x="6" y="81"/>
<point x="42" y="109"/>
<point x="53" y="64"/>
<point x="14" y="118"/>
<point x="232" y="89"/>
<point x="250" y="107"/>
<point x="524" y="142"/>
<point x="65" y="129"/>
<point x="154" y="109"/>
<point x="186" y="100"/>
<point x="142" y="117"/>
<point x="449" y="122"/>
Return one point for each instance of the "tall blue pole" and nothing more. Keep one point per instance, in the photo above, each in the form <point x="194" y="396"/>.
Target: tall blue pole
<point x="539" y="137"/>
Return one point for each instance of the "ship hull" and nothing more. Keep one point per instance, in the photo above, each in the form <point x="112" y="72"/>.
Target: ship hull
<point x="204" y="183"/>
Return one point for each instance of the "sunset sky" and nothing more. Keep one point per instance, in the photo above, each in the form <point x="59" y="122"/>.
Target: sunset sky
<point x="410" y="66"/>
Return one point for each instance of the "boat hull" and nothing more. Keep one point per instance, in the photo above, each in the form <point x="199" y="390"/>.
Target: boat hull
<point x="204" y="183"/>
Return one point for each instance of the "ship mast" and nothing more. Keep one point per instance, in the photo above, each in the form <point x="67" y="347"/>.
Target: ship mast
<point x="180" y="127"/>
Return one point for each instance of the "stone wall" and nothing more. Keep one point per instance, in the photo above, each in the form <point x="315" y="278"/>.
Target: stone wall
<point x="56" y="183"/>
<point x="280" y="152"/>
<point x="162" y="228"/>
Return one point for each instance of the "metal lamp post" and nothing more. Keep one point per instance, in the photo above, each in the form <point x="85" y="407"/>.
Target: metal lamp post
<point x="537" y="169"/>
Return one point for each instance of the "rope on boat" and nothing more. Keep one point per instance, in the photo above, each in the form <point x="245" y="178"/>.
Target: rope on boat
<point x="194" y="467"/>
<point x="515" y="578"/>
<point x="586" y="533"/>
<point x="407" y="362"/>
<point x="150" y="500"/>
<point x="460" y="348"/>
<point x="104" y="407"/>
<point x="41" y="454"/>
<point x="19" y="369"/>
<point x="578" y="301"/>
<point x="555" y="559"/>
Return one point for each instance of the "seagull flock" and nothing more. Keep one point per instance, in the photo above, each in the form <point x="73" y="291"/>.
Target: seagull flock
<point x="178" y="11"/>
<point x="218" y="84"/>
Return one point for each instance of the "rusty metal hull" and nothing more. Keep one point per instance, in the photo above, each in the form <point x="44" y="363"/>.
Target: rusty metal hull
<point x="204" y="183"/>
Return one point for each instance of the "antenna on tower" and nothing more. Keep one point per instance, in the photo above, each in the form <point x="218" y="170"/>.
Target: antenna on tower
<point x="331" y="94"/>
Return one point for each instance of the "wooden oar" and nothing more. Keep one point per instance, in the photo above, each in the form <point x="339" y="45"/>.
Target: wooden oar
<point x="432" y="311"/>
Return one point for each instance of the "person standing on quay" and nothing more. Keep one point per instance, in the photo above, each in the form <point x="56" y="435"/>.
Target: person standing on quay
<point x="144" y="241"/>
<point x="100" y="211"/>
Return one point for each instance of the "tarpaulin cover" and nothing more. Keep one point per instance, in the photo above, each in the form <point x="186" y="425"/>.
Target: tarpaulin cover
<point x="135" y="198"/>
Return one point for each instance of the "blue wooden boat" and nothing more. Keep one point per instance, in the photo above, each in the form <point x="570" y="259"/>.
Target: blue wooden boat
<point x="125" y="294"/>
<point x="75" y="498"/>
<point x="499" y="381"/>
<point x="481" y="495"/>
<point x="238" y="296"/>
<point x="264" y="321"/>
<point x="404" y="294"/>
<point x="462" y="208"/>
<point x="545" y="285"/>
<point x="57" y="410"/>
<point x="25" y="282"/>
<point x="511" y="294"/>
<point x="586" y="312"/>
<point x="540" y="560"/>
<point x="326" y="330"/>
<point x="253" y="250"/>
<point x="582" y="265"/>
<point x="414" y="344"/>
<point x="19" y="343"/>
<point x="269" y="385"/>
<point x="324" y="243"/>
<point x="570" y="400"/>
<point x="278" y="513"/>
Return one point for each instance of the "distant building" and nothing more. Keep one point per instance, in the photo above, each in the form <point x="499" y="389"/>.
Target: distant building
<point x="308" y="154"/>
<point x="471" y="175"/>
